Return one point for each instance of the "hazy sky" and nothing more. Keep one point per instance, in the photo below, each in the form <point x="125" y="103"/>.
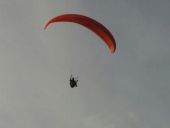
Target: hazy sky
<point x="129" y="89"/>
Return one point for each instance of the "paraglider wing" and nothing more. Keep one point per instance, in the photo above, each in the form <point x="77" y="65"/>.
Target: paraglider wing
<point x="89" y="23"/>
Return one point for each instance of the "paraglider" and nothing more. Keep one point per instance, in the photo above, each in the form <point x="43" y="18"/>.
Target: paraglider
<point x="73" y="82"/>
<point x="89" y="23"/>
<point x="93" y="25"/>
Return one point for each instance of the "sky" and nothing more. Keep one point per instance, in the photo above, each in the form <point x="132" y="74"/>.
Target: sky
<point x="127" y="89"/>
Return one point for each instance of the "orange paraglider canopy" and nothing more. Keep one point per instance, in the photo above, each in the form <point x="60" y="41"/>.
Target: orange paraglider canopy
<point x="89" y="23"/>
